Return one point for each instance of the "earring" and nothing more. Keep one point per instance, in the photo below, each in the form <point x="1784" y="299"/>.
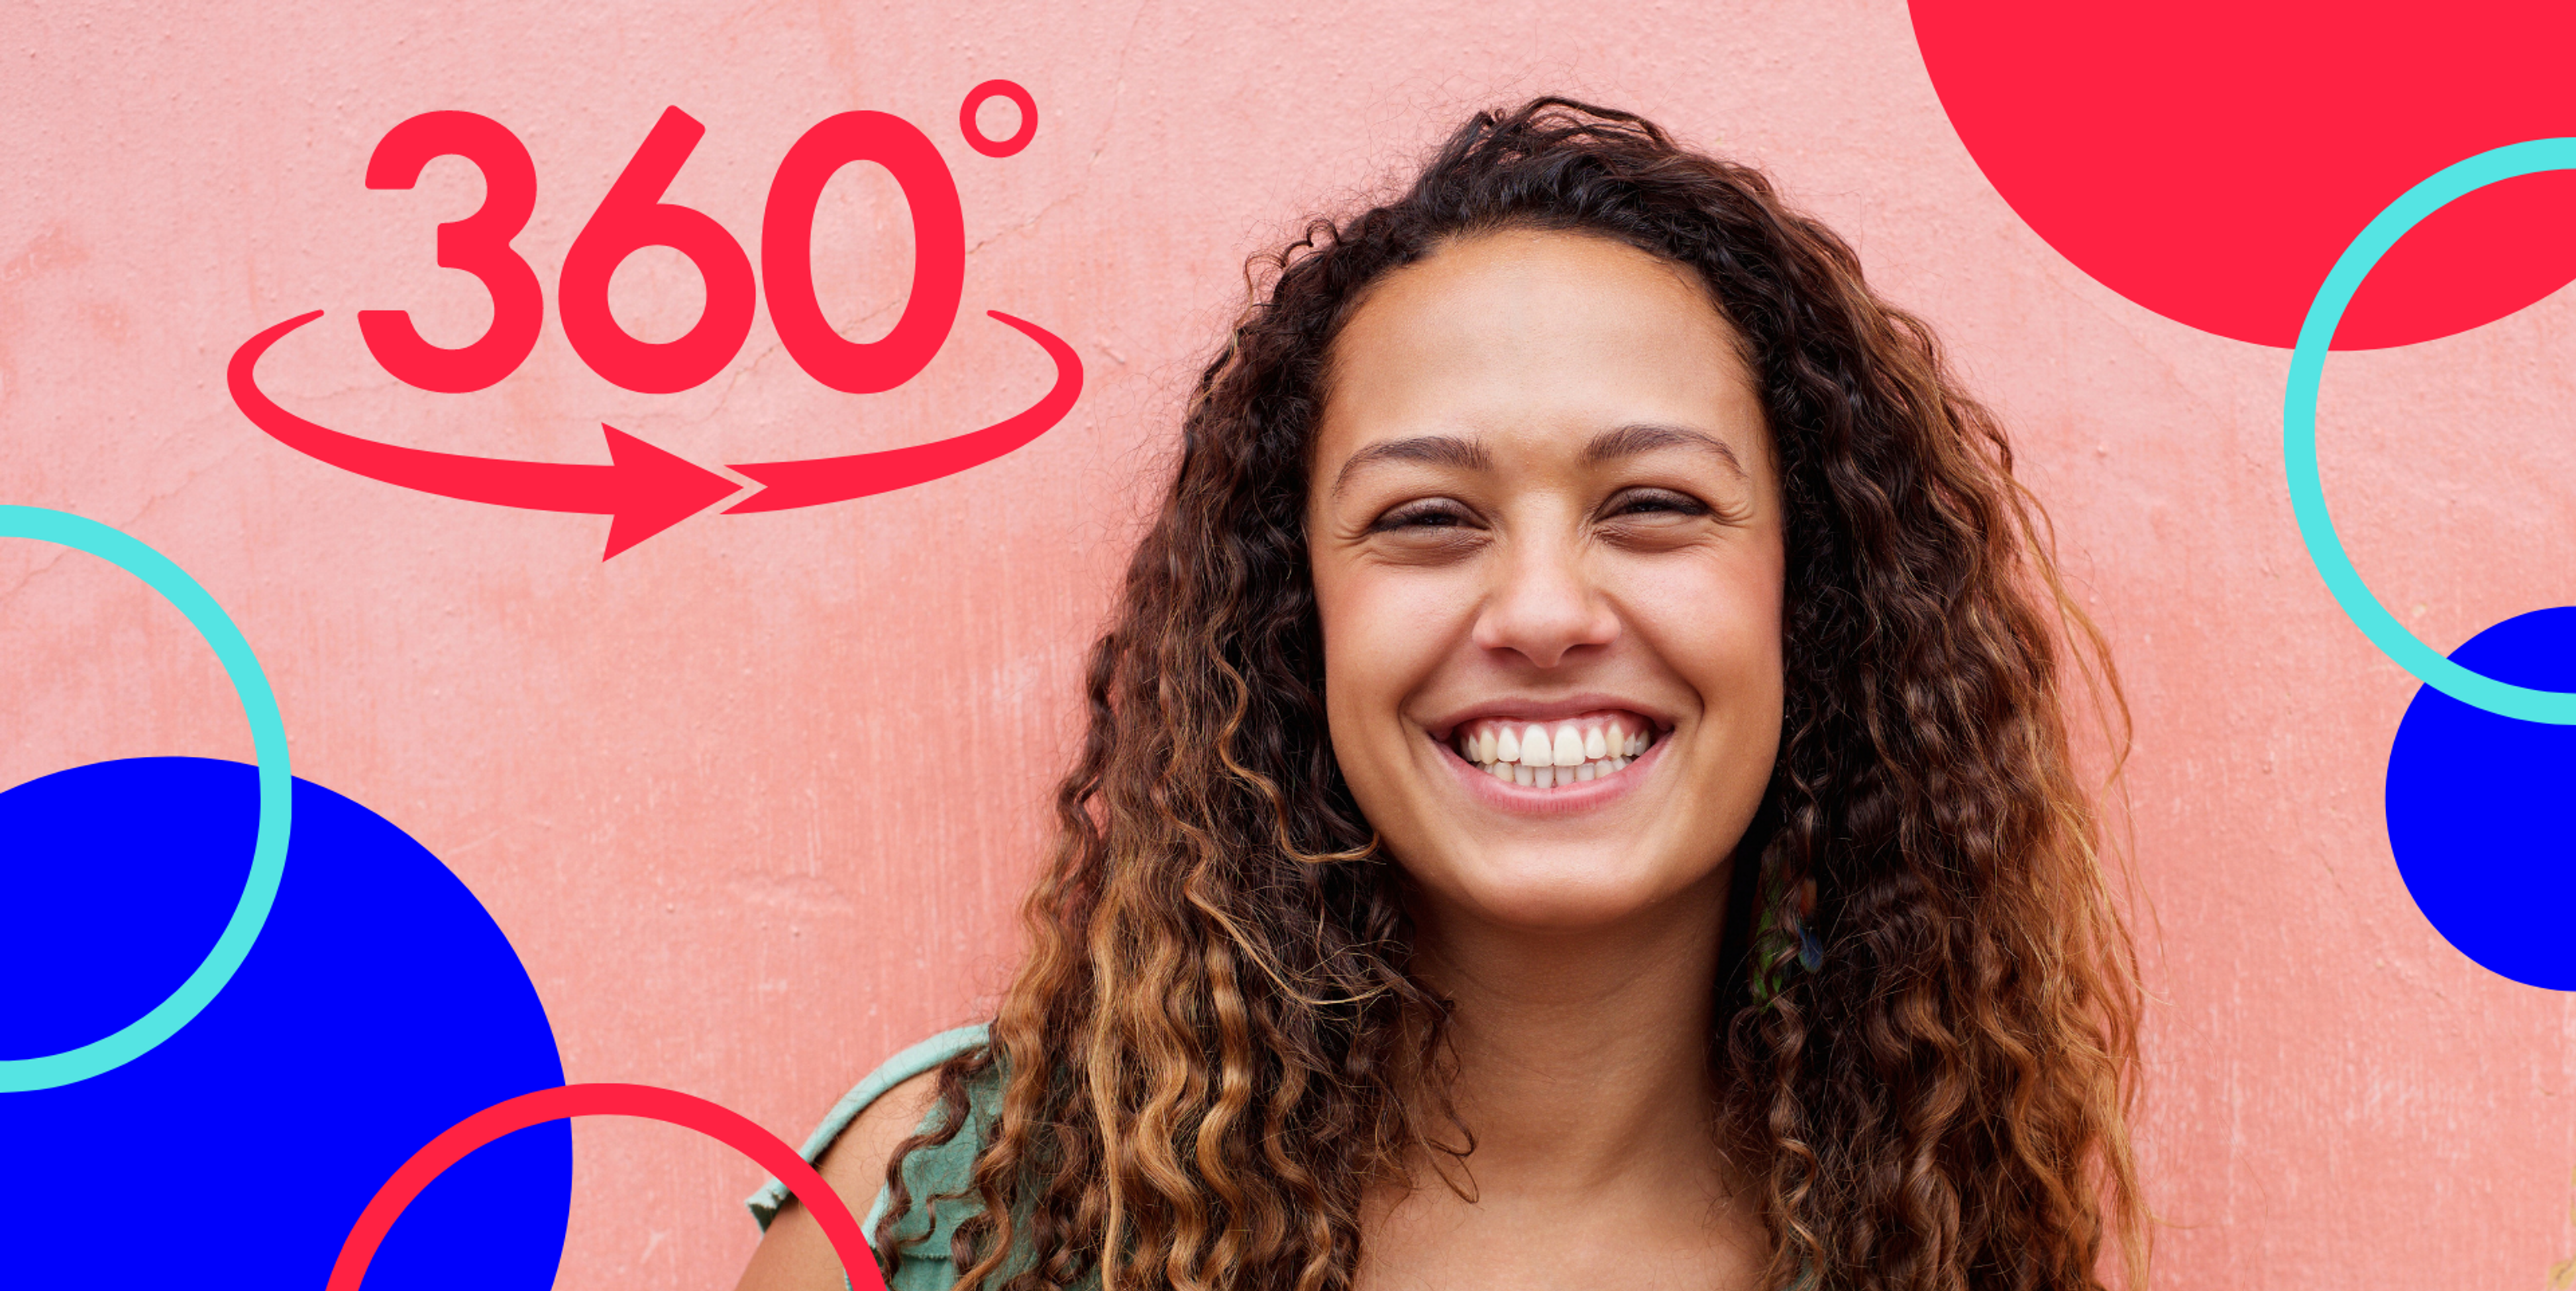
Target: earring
<point x="1811" y="953"/>
<point x="1798" y="929"/>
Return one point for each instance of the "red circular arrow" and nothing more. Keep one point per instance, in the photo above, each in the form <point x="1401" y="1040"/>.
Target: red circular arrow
<point x="644" y="489"/>
<point x="816" y="481"/>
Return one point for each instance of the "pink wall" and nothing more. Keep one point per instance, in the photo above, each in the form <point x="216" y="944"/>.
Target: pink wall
<point x="687" y="782"/>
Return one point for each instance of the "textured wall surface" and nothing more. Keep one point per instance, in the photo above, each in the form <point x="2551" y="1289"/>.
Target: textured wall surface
<point x="754" y="800"/>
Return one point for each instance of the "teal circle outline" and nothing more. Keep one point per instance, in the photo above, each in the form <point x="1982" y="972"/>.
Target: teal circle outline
<point x="2299" y="433"/>
<point x="276" y="785"/>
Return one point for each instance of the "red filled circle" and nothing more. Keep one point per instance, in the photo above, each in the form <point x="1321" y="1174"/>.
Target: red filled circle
<point x="985" y="144"/>
<point x="2209" y="159"/>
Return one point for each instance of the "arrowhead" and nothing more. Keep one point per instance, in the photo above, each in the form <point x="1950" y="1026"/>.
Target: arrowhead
<point x="655" y="490"/>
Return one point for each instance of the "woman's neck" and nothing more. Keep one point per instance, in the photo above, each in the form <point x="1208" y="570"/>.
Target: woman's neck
<point x="1582" y="1056"/>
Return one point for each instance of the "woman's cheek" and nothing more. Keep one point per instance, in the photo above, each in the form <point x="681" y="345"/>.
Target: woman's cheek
<point x="1398" y="626"/>
<point x="1365" y="659"/>
<point x="1387" y="633"/>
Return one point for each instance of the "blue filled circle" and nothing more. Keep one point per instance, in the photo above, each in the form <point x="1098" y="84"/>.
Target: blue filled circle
<point x="2482" y="808"/>
<point x="380" y="1006"/>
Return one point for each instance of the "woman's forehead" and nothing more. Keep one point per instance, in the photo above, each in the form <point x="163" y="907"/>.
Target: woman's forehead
<point x="1536" y="335"/>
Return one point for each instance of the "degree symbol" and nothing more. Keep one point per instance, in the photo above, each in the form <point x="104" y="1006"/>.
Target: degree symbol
<point x="977" y="139"/>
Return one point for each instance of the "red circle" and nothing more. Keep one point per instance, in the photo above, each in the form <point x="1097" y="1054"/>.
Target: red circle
<point x="2209" y="159"/>
<point x="976" y="138"/>
<point x="714" y="1120"/>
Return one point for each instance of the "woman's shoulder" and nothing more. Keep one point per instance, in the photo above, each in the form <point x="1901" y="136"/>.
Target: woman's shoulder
<point x="851" y="1150"/>
<point x="858" y="1137"/>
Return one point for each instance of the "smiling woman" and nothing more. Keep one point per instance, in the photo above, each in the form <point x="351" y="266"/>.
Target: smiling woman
<point x="1540" y="533"/>
<point x="1576" y="794"/>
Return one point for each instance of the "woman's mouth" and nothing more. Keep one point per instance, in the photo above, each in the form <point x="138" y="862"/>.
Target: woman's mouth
<point x="1544" y="755"/>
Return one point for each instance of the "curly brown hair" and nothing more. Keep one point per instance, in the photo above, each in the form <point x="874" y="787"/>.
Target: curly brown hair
<point x="1204" y="1061"/>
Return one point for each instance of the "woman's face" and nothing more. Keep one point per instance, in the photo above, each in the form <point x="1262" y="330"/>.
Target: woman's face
<point x="1547" y="552"/>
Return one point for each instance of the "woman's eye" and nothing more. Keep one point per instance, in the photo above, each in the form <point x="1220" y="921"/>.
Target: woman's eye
<point x="1420" y="517"/>
<point x="1658" y="500"/>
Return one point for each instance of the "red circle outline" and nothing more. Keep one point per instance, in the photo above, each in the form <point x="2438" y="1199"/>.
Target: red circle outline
<point x="982" y="143"/>
<point x="688" y="1111"/>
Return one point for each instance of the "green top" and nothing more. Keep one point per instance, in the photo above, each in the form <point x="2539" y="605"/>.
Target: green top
<point x="928" y="1172"/>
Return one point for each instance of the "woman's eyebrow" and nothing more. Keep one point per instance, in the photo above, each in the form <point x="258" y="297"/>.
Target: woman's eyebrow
<point x="1467" y="454"/>
<point x="1645" y="437"/>
<point x="1438" y="450"/>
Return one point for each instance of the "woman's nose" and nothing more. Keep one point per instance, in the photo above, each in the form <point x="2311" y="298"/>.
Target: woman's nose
<point x="1545" y="606"/>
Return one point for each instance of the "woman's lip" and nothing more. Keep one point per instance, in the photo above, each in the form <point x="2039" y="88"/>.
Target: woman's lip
<point x="1562" y="800"/>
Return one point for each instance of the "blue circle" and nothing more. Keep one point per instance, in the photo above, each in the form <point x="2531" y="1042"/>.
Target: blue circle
<point x="2482" y="808"/>
<point x="2299" y="433"/>
<point x="381" y="1006"/>
<point x="268" y="848"/>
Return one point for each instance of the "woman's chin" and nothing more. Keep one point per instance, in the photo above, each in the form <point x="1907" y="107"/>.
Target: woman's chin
<point x="1559" y="895"/>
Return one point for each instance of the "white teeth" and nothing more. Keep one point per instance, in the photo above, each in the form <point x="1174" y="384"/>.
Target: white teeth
<point x="1542" y="757"/>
